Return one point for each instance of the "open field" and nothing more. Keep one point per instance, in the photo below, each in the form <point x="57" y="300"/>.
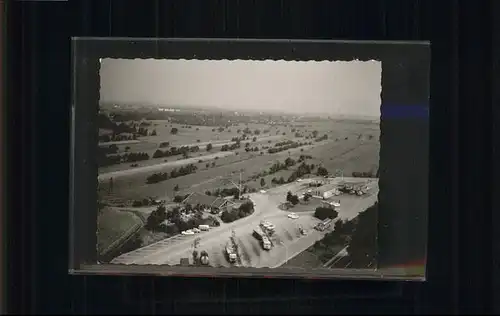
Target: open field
<point x="337" y="153"/>
<point x="114" y="227"/>
<point x="350" y="147"/>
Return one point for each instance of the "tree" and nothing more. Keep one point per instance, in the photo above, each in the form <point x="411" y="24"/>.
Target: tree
<point x="156" y="218"/>
<point x="254" y="139"/>
<point x="289" y="196"/>
<point x="322" y="171"/>
<point x="178" y="199"/>
<point x="195" y="257"/>
<point x="247" y="208"/>
<point x="174" y="131"/>
<point x="307" y="197"/>
<point x="323" y="213"/>
<point x="113" y="149"/>
<point x="176" y="187"/>
<point x="153" y="133"/>
<point x="209" y="147"/>
<point x="315" y="134"/>
<point x="294" y="200"/>
<point x="262" y="182"/>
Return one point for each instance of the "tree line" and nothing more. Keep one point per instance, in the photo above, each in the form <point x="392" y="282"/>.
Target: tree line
<point x="230" y="147"/>
<point x="175" y="173"/>
<point x="285" y="147"/>
<point x="322" y="138"/>
<point x="104" y="160"/>
<point x="367" y="174"/>
<point x="174" y="151"/>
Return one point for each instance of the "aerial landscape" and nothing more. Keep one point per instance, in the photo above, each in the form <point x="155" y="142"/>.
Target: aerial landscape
<point x="261" y="164"/>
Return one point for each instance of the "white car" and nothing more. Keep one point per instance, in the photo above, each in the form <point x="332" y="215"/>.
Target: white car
<point x="335" y="204"/>
<point x="196" y="230"/>
<point x="262" y="191"/>
<point x="267" y="225"/>
<point x="293" y="216"/>
<point x="188" y="232"/>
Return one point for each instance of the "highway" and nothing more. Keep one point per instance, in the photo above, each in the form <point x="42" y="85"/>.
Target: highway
<point x="287" y="241"/>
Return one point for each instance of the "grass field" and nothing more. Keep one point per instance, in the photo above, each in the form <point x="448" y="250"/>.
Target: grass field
<point x="114" y="228"/>
<point x="351" y="146"/>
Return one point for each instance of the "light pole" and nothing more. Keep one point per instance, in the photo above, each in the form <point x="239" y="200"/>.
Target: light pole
<point x="237" y="186"/>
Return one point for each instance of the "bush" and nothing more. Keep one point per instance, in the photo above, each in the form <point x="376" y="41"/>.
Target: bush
<point x="179" y="198"/>
<point x="157" y="177"/>
<point x="293" y="199"/>
<point x="322" y="171"/>
<point x="323" y="213"/>
<point x="229" y="216"/>
<point x="156" y="217"/>
<point x="244" y="210"/>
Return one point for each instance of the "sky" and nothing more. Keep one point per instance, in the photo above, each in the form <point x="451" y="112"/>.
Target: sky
<point x="301" y="87"/>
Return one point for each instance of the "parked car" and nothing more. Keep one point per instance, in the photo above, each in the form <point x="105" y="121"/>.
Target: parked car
<point x="293" y="216"/>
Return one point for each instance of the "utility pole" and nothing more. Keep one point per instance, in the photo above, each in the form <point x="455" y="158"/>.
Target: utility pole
<point x="237" y="186"/>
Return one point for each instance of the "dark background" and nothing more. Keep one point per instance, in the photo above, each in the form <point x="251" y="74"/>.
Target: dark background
<point x="404" y="137"/>
<point x="38" y="102"/>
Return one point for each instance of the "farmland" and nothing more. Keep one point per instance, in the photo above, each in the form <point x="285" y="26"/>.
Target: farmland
<point x="350" y="147"/>
<point x="218" y="156"/>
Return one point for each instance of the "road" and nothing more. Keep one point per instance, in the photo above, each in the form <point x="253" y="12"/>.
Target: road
<point x="220" y="143"/>
<point x="119" y="142"/>
<point x="287" y="241"/>
<point x="156" y="167"/>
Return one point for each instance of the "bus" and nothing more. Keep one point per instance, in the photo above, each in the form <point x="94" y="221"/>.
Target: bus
<point x="324" y="224"/>
<point x="262" y="237"/>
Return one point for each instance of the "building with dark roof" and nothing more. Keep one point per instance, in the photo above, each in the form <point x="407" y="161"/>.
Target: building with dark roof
<point x="212" y="203"/>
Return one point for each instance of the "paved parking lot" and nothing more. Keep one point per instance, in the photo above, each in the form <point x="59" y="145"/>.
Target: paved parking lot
<point x="287" y="241"/>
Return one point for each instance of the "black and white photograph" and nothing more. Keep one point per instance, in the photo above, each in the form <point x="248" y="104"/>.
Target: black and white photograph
<point x="239" y="163"/>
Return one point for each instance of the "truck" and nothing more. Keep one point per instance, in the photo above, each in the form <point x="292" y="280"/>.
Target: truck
<point x="231" y="251"/>
<point x="267" y="227"/>
<point x="203" y="227"/>
<point x="204" y="258"/>
<point x="262" y="237"/>
<point x="324" y="225"/>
